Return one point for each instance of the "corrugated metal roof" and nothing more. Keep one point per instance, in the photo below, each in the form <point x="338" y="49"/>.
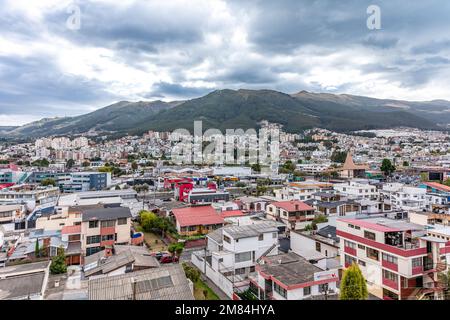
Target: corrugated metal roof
<point x="149" y="284"/>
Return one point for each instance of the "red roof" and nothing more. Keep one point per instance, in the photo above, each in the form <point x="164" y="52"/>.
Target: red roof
<point x="71" y="229"/>
<point x="293" y="205"/>
<point x="232" y="213"/>
<point x="6" y="185"/>
<point x="195" y="216"/>
<point x="370" y="225"/>
<point x="438" y="186"/>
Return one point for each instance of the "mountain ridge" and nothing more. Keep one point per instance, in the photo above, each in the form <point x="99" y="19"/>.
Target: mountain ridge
<point x="245" y="108"/>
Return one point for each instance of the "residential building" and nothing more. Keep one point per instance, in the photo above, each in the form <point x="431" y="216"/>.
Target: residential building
<point x="294" y="214"/>
<point x="196" y="220"/>
<point x="233" y="251"/>
<point x="396" y="257"/>
<point x="288" y="276"/>
<point x="104" y="227"/>
<point x="164" y="283"/>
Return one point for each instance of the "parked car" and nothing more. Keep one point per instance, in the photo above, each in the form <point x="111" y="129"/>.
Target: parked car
<point x="168" y="259"/>
<point x="159" y="254"/>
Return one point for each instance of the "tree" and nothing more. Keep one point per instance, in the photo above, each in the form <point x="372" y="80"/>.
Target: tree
<point x="191" y="272"/>
<point x="446" y="182"/>
<point x="353" y="284"/>
<point x="339" y="156"/>
<point x="256" y="167"/>
<point x="387" y="167"/>
<point x="36" y="248"/>
<point x="70" y="163"/>
<point x="48" y="182"/>
<point x="176" y="249"/>
<point x="58" y="264"/>
<point x="444" y="280"/>
<point x="405" y="163"/>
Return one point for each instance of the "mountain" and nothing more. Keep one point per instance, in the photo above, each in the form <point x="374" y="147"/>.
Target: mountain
<point x="119" y="116"/>
<point x="245" y="108"/>
<point x="232" y="109"/>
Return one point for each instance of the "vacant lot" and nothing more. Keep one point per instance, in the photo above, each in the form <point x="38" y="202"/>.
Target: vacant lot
<point x="153" y="240"/>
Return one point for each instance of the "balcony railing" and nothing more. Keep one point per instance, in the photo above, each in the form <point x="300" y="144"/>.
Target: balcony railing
<point x="390" y="283"/>
<point x="417" y="270"/>
<point x="389" y="265"/>
<point x="349" y="250"/>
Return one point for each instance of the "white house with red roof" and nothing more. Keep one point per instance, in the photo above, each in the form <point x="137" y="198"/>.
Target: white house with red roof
<point x="294" y="214"/>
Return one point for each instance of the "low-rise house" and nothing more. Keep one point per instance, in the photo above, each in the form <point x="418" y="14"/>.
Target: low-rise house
<point x="164" y="283"/>
<point x="323" y="241"/>
<point x="197" y="220"/>
<point x="288" y="276"/>
<point x="232" y="253"/>
<point x="104" y="227"/>
<point x="24" y="282"/>
<point x="117" y="260"/>
<point x="294" y="214"/>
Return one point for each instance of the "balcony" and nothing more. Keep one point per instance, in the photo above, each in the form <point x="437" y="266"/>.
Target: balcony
<point x="417" y="270"/>
<point x="106" y="243"/>
<point x="107" y="230"/>
<point x="389" y="265"/>
<point x="350" y="251"/>
<point x="390" y="283"/>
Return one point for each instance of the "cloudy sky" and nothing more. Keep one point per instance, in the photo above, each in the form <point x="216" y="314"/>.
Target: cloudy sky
<point x="175" y="49"/>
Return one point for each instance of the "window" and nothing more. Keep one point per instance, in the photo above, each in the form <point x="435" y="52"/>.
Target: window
<point x="274" y="235"/>
<point x="306" y="291"/>
<point x="108" y="237"/>
<point x="243" y="256"/>
<point x="226" y="239"/>
<point x="121" y="221"/>
<point x="318" y="246"/>
<point x="261" y="237"/>
<point x="239" y="271"/>
<point x="281" y="291"/>
<point x="92" y="239"/>
<point x="108" y="223"/>
<point x="360" y="246"/>
<point x="93" y="224"/>
<point x="357" y="227"/>
<point x="93" y="250"/>
<point x="416" y="262"/>
<point x="389" y="258"/>
<point x="350" y="244"/>
<point x="349" y="260"/>
<point x="351" y="226"/>
<point x="362" y="263"/>
<point x="323" y="287"/>
<point x="372" y="254"/>
<point x="369" y="235"/>
<point x="390" y="275"/>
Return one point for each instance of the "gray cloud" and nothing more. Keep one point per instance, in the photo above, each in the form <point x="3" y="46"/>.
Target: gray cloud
<point x="179" y="51"/>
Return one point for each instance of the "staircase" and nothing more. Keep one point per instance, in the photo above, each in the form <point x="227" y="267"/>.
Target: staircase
<point x="267" y="252"/>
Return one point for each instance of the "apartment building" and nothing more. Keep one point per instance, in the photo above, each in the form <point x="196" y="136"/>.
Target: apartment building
<point x="357" y="190"/>
<point x="233" y="251"/>
<point x="31" y="195"/>
<point x="70" y="182"/>
<point x="294" y="214"/>
<point x="397" y="258"/>
<point x="397" y="196"/>
<point x="104" y="227"/>
<point x="302" y="191"/>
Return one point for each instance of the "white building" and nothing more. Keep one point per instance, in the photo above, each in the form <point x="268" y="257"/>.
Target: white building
<point x="232" y="253"/>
